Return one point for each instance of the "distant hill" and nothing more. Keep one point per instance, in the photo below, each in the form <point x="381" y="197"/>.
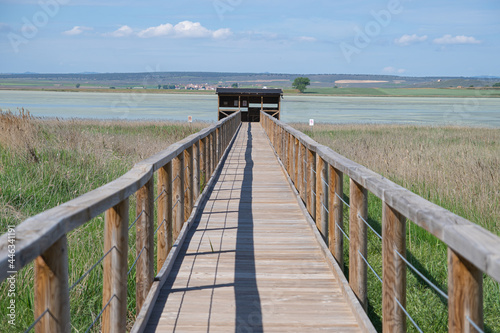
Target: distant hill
<point x="271" y="80"/>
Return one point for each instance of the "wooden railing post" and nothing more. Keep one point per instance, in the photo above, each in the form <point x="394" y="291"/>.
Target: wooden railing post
<point x="51" y="289"/>
<point x="321" y="197"/>
<point x="295" y="161"/>
<point x="303" y="172"/>
<point x="311" y="183"/>
<point x="114" y="289"/>
<point x="393" y="270"/>
<point x="358" y="241"/>
<point x="336" y="217"/>
<point x="213" y="149"/>
<point x="465" y="292"/>
<point x="197" y="169"/>
<point x="178" y="195"/>
<point x="144" y="243"/>
<point x="164" y="233"/>
<point x="203" y="161"/>
<point x="188" y="182"/>
<point x="217" y="145"/>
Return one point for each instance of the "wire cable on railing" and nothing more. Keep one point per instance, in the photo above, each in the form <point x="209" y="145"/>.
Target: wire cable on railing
<point x="322" y="204"/>
<point x="178" y="200"/>
<point x="373" y="270"/>
<point x="474" y="324"/>
<point x="442" y="293"/>
<point x="159" y="195"/>
<point x="369" y="226"/>
<point x="36" y="321"/>
<point x="164" y="220"/>
<point x="135" y="262"/>
<point x="91" y="268"/>
<point x="345" y="235"/>
<point x="174" y="179"/>
<point x="408" y="315"/>
<point x="100" y="314"/>
<point x="325" y="182"/>
<point x="136" y="219"/>
<point x="345" y="203"/>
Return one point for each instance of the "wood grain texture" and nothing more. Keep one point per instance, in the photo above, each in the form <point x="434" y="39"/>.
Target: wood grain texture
<point x="311" y="183"/>
<point x="188" y="181"/>
<point x="51" y="289"/>
<point x="178" y="195"/>
<point x="336" y="217"/>
<point x="465" y="291"/>
<point x="144" y="242"/>
<point x="393" y="270"/>
<point x="358" y="200"/>
<point x="237" y="271"/>
<point x="322" y="198"/>
<point x="114" y="288"/>
<point x="164" y="209"/>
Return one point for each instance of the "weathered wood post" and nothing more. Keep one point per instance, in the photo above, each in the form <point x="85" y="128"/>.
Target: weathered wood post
<point x="311" y="183"/>
<point x="303" y="172"/>
<point x="188" y="182"/>
<point x="358" y="241"/>
<point x="164" y="233"/>
<point x="296" y="161"/>
<point x="202" y="164"/>
<point x="393" y="270"/>
<point x="144" y="243"/>
<point x="51" y="289"/>
<point x="465" y="292"/>
<point x="336" y="217"/>
<point x="114" y="289"/>
<point x="300" y="169"/>
<point x="196" y="170"/>
<point x="321" y="197"/>
<point x="178" y="195"/>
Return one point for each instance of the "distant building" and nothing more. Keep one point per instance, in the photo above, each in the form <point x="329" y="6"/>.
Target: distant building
<point x="250" y="102"/>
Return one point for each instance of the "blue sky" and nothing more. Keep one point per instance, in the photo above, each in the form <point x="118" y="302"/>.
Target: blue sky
<point x="402" y="37"/>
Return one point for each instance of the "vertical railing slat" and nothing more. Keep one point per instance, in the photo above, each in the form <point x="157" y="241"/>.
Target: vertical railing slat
<point x="144" y="242"/>
<point x="465" y="291"/>
<point x="358" y="241"/>
<point x="393" y="270"/>
<point x="336" y="216"/>
<point x="164" y="233"/>
<point x="51" y="289"/>
<point x="114" y="317"/>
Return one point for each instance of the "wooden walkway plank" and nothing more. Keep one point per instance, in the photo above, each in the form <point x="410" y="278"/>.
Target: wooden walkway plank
<point x="251" y="262"/>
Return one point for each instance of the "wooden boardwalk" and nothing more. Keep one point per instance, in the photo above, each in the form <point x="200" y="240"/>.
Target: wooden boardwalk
<point x="251" y="262"/>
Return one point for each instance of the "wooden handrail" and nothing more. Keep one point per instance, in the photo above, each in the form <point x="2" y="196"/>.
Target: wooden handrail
<point x="472" y="250"/>
<point x="43" y="237"/>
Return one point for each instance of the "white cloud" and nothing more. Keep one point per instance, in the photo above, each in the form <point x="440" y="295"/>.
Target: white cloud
<point x="123" y="31"/>
<point x="306" y="39"/>
<point x="449" y="39"/>
<point x="161" y="30"/>
<point x="409" y="39"/>
<point x="76" y="30"/>
<point x="188" y="29"/>
<point x="222" y="33"/>
<point x="393" y="70"/>
<point x="184" y="29"/>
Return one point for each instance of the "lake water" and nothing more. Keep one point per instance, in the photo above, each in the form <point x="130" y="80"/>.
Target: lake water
<point x="323" y="109"/>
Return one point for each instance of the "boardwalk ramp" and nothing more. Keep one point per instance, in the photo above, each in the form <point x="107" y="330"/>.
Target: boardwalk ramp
<point x="251" y="261"/>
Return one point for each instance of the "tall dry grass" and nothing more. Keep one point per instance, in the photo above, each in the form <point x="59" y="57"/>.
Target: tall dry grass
<point x="456" y="167"/>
